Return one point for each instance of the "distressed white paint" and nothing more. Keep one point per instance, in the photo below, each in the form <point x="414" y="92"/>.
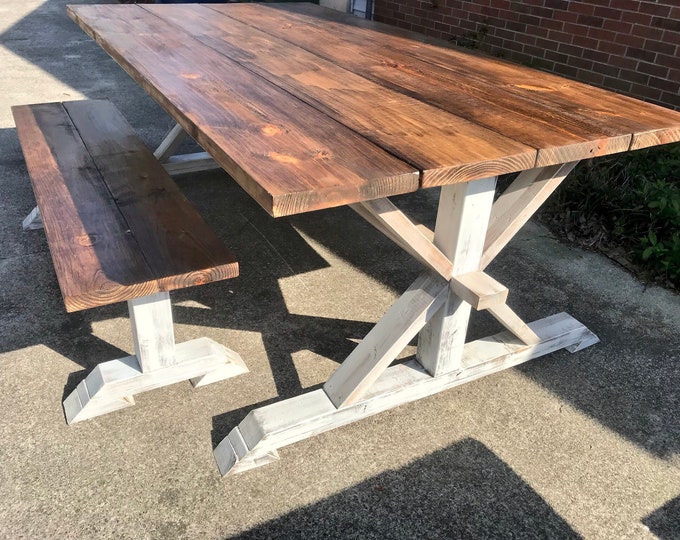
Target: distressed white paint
<point x="188" y="163"/>
<point x="33" y="220"/>
<point x="152" y="331"/>
<point x="170" y="143"/>
<point x="518" y="203"/>
<point x="462" y="218"/>
<point x="255" y="441"/>
<point x="386" y="340"/>
<point x="111" y="385"/>
<point x="479" y="290"/>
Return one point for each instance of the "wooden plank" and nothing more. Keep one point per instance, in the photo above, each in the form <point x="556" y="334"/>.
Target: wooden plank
<point x="176" y="242"/>
<point x="476" y="288"/>
<point x="518" y="203"/>
<point x="462" y="219"/>
<point x="235" y="456"/>
<point x="66" y="183"/>
<point x="112" y="237"/>
<point x="479" y="290"/>
<point x="444" y="146"/>
<point x="153" y="334"/>
<point x="530" y="89"/>
<point x="557" y="134"/>
<point x="386" y="340"/>
<point x="286" y="422"/>
<point x="189" y="163"/>
<point x="285" y="154"/>
<point x="170" y="143"/>
<point x="510" y="320"/>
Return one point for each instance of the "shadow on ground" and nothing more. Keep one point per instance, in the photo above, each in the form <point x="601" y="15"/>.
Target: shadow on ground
<point x="665" y="522"/>
<point x="463" y="491"/>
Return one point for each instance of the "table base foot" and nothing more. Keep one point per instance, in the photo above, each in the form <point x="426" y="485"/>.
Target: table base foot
<point x="233" y="456"/>
<point x="255" y="441"/>
<point x="32" y="221"/>
<point x="190" y="163"/>
<point x="111" y="385"/>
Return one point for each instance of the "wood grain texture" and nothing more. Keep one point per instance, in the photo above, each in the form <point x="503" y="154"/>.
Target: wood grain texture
<point x="117" y="225"/>
<point x="444" y="146"/>
<point x="380" y="58"/>
<point x="288" y="156"/>
<point x="307" y="108"/>
<point x="564" y="100"/>
<point x="479" y="290"/>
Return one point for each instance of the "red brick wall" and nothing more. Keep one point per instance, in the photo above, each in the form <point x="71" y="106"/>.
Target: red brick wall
<point x="630" y="46"/>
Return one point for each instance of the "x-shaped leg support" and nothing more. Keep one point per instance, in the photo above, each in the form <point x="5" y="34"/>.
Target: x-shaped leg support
<point x="470" y="231"/>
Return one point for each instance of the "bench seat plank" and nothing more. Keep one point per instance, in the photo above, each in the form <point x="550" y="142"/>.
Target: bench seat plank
<point x="112" y="237"/>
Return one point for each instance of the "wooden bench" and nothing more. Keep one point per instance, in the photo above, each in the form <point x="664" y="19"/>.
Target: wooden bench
<point x="119" y="228"/>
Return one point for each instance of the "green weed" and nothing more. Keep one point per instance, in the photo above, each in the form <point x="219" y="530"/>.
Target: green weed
<point x="628" y="202"/>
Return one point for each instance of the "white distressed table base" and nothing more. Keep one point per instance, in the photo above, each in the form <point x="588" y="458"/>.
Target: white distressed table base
<point x="111" y="385"/>
<point x="436" y="306"/>
<point x="182" y="163"/>
<point x="256" y="439"/>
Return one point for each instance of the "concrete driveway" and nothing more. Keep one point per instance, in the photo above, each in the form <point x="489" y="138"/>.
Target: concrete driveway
<point x="567" y="446"/>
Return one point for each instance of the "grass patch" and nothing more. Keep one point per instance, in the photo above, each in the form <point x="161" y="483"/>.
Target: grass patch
<point x="628" y="207"/>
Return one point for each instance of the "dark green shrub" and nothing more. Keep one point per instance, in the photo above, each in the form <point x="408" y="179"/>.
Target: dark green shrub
<point x="629" y="202"/>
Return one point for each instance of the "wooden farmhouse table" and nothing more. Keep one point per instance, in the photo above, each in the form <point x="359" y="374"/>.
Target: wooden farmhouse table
<point x="309" y="109"/>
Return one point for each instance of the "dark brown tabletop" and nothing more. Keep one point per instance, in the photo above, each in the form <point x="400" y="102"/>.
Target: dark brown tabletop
<point x="307" y="108"/>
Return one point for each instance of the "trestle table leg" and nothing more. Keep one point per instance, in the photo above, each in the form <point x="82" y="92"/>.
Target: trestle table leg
<point x="459" y="233"/>
<point x="470" y="231"/>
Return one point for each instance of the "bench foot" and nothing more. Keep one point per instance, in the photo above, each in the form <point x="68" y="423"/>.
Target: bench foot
<point x="111" y="385"/>
<point x="254" y="442"/>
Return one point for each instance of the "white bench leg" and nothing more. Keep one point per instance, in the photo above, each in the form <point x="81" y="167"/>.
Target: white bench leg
<point x="33" y="220"/>
<point x="157" y="362"/>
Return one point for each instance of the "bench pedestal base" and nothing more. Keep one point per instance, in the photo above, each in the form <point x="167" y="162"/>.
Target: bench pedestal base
<point x="112" y="385"/>
<point x="158" y="361"/>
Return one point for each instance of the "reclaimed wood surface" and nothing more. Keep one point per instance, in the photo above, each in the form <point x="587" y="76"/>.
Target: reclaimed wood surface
<point x="445" y="147"/>
<point x="287" y="155"/>
<point x="308" y="108"/>
<point x="117" y="226"/>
